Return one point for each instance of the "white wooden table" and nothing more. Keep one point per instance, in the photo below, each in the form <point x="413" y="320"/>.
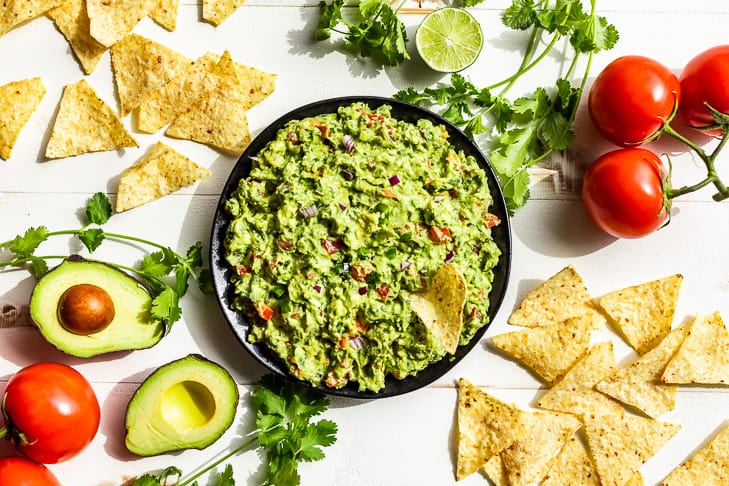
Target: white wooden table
<point x="405" y="440"/>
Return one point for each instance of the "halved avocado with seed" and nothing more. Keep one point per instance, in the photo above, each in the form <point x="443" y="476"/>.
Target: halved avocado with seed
<point x="186" y="404"/>
<point x="87" y="308"/>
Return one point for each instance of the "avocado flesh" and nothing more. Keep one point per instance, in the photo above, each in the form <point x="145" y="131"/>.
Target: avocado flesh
<point x="131" y="328"/>
<point x="186" y="404"/>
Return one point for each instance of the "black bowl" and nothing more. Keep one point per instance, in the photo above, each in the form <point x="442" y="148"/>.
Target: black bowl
<point x="221" y="271"/>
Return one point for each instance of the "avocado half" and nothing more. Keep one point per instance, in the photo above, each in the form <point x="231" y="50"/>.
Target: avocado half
<point x="186" y="404"/>
<point x="129" y="325"/>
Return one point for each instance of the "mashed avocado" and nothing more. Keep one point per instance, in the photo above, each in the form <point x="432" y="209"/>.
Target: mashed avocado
<point x="343" y="216"/>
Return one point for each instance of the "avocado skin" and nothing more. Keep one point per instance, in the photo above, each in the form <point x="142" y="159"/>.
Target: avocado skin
<point x="153" y="417"/>
<point x="132" y="326"/>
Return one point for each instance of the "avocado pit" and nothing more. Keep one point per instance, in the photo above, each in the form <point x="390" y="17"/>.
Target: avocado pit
<point x="85" y="309"/>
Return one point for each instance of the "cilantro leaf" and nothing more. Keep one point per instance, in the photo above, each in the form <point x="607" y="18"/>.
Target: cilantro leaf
<point x="158" y="263"/>
<point x="98" y="209"/>
<point x="226" y="477"/>
<point x="91" y="238"/>
<point x="521" y="15"/>
<point x="38" y="266"/>
<point x="321" y="434"/>
<point x="205" y="281"/>
<point x="194" y="255"/>
<point x="24" y="246"/>
<point x="330" y="16"/>
<point x="165" y="306"/>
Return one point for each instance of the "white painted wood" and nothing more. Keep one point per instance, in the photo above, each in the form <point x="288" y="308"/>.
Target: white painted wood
<point x="407" y="440"/>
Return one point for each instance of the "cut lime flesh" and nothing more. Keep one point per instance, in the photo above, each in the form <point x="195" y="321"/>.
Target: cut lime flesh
<point x="449" y="39"/>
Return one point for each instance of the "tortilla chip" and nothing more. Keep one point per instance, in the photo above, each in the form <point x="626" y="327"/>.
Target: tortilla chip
<point x="440" y="307"/>
<point x="486" y="426"/>
<point x="109" y="22"/>
<point x="160" y="172"/>
<point x="639" y="384"/>
<point x="216" y="11"/>
<point x="251" y="84"/>
<point x="180" y="93"/>
<point x="18" y="101"/>
<point x="219" y="117"/>
<point x="572" y="467"/>
<point x="495" y="472"/>
<point x="644" y="313"/>
<point x="85" y="123"/>
<point x="165" y="14"/>
<point x="621" y="444"/>
<point x="575" y="392"/>
<point x="549" y="350"/>
<point x="709" y="465"/>
<point x="703" y="357"/>
<point x="528" y="458"/>
<point x="72" y="21"/>
<point x="15" y="12"/>
<point x="142" y="66"/>
<point x="561" y="296"/>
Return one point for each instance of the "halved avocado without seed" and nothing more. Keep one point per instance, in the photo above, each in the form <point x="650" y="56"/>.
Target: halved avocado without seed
<point x="87" y="308"/>
<point x="186" y="404"/>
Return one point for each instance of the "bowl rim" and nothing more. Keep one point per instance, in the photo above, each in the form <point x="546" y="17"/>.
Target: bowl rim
<point x="220" y="269"/>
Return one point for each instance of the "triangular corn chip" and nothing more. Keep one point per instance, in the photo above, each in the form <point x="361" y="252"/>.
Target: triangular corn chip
<point x="219" y="117"/>
<point x="15" y="12"/>
<point x="251" y="84"/>
<point x="621" y="444"/>
<point x="440" y="307"/>
<point x="216" y="11"/>
<point x="572" y="467"/>
<point x="704" y="354"/>
<point x="111" y="21"/>
<point x="644" y="313"/>
<point x="72" y="21"/>
<point x="549" y="350"/>
<point x="180" y="92"/>
<point x="18" y="101"/>
<point x="528" y="458"/>
<point x="486" y="426"/>
<point x="142" y="66"/>
<point x="561" y="296"/>
<point x="165" y="14"/>
<point x="85" y="123"/>
<point x="709" y="465"/>
<point x="160" y="172"/>
<point x="575" y="392"/>
<point x="639" y="384"/>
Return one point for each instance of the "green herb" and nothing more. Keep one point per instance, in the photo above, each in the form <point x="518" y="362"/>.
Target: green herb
<point x="522" y="132"/>
<point x="165" y="272"/>
<point x="284" y="433"/>
<point x="376" y="31"/>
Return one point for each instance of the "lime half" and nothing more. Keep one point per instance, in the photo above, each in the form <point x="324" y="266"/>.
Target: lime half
<point x="449" y="39"/>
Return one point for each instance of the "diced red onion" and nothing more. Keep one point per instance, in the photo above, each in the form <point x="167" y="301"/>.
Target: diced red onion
<point x="308" y="212"/>
<point x="476" y="249"/>
<point x="348" y="142"/>
<point x="284" y="245"/>
<point x="342" y="206"/>
<point x="317" y="288"/>
<point x="253" y="158"/>
<point x="450" y="256"/>
<point x="362" y="290"/>
<point x="356" y="342"/>
<point x="394" y="180"/>
<point x="347" y="175"/>
<point x="405" y="265"/>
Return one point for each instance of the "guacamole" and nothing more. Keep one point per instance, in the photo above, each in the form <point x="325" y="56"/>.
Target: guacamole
<point x="342" y="217"/>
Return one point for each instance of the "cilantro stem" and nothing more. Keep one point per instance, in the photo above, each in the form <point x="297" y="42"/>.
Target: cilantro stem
<point x="219" y="461"/>
<point x="523" y="69"/>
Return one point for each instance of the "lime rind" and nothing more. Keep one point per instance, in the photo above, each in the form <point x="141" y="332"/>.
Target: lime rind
<point x="449" y="39"/>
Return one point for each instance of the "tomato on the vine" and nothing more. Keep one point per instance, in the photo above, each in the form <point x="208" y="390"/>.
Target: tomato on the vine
<point x="705" y="80"/>
<point x="632" y="98"/>
<point x="51" y="412"/>
<point x="623" y="192"/>
<point x="18" y="471"/>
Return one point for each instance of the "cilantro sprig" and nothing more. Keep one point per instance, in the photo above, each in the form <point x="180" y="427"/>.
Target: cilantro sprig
<point x="165" y="272"/>
<point x="285" y="435"/>
<point x="376" y="31"/>
<point x="519" y="133"/>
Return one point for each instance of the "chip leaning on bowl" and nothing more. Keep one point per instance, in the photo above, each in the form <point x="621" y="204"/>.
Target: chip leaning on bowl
<point x="344" y="217"/>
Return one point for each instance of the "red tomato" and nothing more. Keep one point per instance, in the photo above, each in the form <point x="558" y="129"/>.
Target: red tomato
<point x="631" y="98"/>
<point x="18" y="471"/>
<point x="52" y="412"/>
<point x="705" y="79"/>
<point x="623" y="192"/>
